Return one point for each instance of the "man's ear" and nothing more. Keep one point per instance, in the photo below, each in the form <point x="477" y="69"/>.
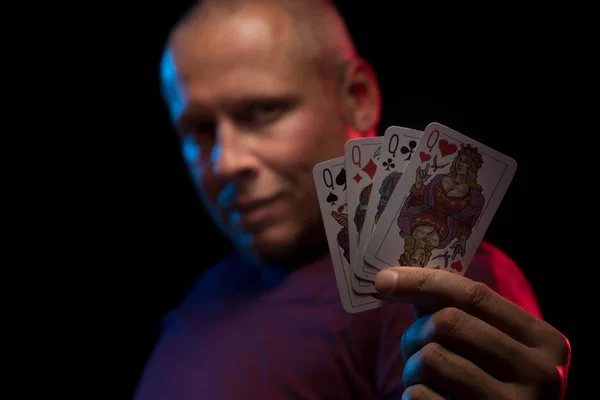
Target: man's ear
<point x="362" y="97"/>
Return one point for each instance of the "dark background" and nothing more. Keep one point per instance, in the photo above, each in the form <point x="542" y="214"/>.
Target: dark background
<point x="499" y="77"/>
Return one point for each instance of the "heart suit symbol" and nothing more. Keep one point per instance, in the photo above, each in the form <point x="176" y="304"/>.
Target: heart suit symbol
<point x="447" y="148"/>
<point x="457" y="265"/>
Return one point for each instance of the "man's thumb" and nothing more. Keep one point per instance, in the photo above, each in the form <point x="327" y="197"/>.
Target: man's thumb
<point x="386" y="286"/>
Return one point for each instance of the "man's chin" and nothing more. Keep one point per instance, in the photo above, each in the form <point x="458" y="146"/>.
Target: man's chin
<point x="283" y="247"/>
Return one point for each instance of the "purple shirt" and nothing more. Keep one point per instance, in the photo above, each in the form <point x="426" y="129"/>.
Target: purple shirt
<point x="243" y="334"/>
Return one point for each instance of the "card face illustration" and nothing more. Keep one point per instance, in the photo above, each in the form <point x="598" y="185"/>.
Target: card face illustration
<point x="330" y="181"/>
<point x="362" y="159"/>
<point x="442" y="204"/>
<point x="397" y="150"/>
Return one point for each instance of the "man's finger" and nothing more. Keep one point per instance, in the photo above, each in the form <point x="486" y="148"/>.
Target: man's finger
<point x="436" y="289"/>
<point x="489" y="348"/>
<point x="420" y="392"/>
<point x="451" y="375"/>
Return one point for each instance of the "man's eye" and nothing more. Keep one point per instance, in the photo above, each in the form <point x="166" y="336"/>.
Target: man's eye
<point x="267" y="108"/>
<point x="259" y="113"/>
<point x="204" y="128"/>
<point x="265" y="112"/>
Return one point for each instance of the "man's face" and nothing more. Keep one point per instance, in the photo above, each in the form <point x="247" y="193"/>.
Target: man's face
<point x="254" y="119"/>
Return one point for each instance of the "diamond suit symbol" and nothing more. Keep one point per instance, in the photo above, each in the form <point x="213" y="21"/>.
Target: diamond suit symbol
<point x="370" y="168"/>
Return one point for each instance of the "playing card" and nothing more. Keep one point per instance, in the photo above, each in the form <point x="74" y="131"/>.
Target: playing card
<point x="443" y="203"/>
<point x="396" y="151"/>
<point x="361" y="159"/>
<point x="330" y="181"/>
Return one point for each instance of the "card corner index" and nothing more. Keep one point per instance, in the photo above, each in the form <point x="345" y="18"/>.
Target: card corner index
<point x="349" y="144"/>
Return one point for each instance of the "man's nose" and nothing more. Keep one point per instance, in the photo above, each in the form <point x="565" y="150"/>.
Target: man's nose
<point x="231" y="158"/>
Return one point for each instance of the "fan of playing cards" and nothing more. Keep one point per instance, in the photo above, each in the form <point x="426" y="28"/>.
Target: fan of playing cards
<point x="407" y="198"/>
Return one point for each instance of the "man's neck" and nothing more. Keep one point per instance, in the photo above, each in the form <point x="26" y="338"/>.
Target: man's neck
<point x="274" y="271"/>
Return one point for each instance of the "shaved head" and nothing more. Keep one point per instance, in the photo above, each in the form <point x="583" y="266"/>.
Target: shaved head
<point x="311" y="30"/>
<point x="260" y="91"/>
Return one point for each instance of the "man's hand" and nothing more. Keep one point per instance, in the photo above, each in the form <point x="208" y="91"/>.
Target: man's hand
<point x="470" y="343"/>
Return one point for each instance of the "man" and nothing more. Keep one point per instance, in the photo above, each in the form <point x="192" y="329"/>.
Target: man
<point x="260" y="91"/>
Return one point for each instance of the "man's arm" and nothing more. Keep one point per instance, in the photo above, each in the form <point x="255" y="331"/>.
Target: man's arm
<point x="494" y="268"/>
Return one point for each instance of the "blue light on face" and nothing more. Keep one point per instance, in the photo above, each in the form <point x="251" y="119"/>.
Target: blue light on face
<point x="215" y="156"/>
<point x="171" y="91"/>
<point x="190" y="149"/>
<point x="234" y="218"/>
<point x="242" y="239"/>
<point x="226" y="197"/>
<point x="191" y="152"/>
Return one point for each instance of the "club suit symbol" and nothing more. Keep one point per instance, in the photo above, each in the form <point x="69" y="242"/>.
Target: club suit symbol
<point x="408" y="150"/>
<point x="389" y="163"/>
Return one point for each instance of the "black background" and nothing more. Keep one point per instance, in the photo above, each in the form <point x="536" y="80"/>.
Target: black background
<point x="499" y="77"/>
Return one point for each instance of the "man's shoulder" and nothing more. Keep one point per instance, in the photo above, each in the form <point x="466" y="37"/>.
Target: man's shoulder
<point x="492" y="265"/>
<point x="496" y="269"/>
<point x="218" y="278"/>
<point x="208" y="288"/>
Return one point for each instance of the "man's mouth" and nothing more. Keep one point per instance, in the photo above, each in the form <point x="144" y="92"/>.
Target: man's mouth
<point x="249" y="206"/>
<point x="255" y="212"/>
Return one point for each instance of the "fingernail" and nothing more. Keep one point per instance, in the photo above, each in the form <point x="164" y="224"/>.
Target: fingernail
<point x="385" y="281"/>
<point x="378" y="296"/>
